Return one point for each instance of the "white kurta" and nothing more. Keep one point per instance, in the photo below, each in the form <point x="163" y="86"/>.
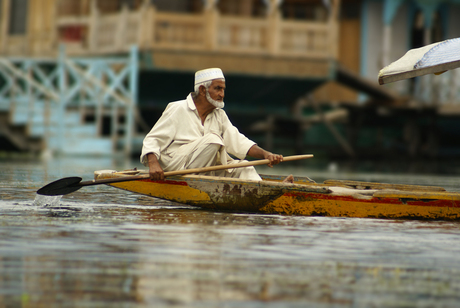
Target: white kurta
<point x="180" y="125"/>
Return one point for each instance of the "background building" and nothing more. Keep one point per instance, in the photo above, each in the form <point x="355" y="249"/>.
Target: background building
<point x="301" y="74"/>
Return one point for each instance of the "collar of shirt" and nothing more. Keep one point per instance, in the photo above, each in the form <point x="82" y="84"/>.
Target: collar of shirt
<point x="191" y="105"/>
<point x="190" y="102"/>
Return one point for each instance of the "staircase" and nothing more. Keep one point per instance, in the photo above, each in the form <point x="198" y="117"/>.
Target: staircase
<point x="15" y="138"/>
<point x="68" y="106"/>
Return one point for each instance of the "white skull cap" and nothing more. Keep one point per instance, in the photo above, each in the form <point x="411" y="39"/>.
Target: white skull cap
<point x="208" y="75"/>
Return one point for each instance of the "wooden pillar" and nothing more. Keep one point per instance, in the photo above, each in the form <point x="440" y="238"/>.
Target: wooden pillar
<point x="147" y="26"/>
<point x="92" y="27"/>
<point x="274" y="24"/>
<point x="4" y="24"/>
<point x="333" y="23"/>
<point x="52" y="29"/>
<point x="122" y="26"/>
<point x="41" y="27"/>
<point x="211" y="17"/>
<point x="33" y="26"/>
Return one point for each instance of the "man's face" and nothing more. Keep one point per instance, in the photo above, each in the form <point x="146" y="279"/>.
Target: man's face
<point x="217" y="90"/>
<point x="215" y="94"/>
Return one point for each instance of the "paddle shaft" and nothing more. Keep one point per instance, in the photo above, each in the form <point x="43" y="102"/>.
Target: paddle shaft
<point x="189" y="171"/>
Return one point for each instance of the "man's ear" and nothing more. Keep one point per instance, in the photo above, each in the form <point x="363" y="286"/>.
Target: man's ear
<point x="202" y="90"/>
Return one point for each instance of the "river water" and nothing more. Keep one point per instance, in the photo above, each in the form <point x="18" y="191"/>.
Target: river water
<point x="103" y="247"/>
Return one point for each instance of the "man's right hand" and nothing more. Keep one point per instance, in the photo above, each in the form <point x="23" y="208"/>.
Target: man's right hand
<point x="156" y="173"/>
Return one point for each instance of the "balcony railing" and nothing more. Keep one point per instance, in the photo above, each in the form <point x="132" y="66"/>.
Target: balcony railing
<point x="93" y="32"/>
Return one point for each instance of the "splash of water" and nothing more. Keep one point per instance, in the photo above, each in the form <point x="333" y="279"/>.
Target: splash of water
<point x="47" y="201"/>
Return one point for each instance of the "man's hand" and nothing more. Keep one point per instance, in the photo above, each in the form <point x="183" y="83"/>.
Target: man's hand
<point x="155" y="171"/>
<point x="257" y="152"/>
<point x="274" y="159"/>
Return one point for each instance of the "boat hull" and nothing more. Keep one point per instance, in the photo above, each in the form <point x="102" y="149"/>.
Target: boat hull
<point x="271" y="196"/>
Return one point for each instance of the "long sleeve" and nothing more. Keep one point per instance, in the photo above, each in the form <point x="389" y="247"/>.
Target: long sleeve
<point x="235" y="142"/>
<point x="160" y="136"/>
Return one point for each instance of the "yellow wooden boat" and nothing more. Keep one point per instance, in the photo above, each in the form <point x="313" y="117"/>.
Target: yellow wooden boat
<point x="337" y="198"/>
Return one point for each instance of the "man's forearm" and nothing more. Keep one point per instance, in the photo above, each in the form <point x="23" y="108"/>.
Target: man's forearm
<point x="155" y="170"/>
<point x="257" y="152"/>
<point x="152" y="159"/>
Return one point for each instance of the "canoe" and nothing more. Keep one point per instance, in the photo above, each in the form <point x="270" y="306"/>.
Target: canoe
<point x="335" y="198"/>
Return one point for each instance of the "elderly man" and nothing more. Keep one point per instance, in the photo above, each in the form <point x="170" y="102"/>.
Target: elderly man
<point x="196" y="132"/>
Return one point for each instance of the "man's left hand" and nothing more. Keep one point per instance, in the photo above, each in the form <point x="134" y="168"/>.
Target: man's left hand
<point x="274" y="159"/>
<point x="257" y="152"/>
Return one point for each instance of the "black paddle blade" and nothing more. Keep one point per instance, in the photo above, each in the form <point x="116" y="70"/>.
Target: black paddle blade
<point x="61" y="187"/>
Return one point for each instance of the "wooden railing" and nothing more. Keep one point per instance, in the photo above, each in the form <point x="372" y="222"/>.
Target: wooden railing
<point x="302" y="39"/>
<point x="177" y="31"/>
<point x="238" y="34"/>
<point x="97" y="33"/>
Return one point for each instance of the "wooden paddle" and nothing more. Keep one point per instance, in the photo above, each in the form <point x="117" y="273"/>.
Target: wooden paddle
<point x="68" y="185"/>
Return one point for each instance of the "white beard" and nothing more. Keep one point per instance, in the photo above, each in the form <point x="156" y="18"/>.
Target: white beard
<point x="215" y="103"/>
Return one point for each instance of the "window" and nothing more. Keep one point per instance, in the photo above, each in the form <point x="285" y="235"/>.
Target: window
<point x="18" y="17"/>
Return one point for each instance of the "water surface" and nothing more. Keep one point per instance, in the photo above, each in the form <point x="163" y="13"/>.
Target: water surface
<point x="103" y="247"/>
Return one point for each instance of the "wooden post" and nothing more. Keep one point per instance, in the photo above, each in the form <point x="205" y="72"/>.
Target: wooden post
<point x="211" y="17"/>
<point x="274" y="27"/>
<point x="151" y="23"/>
<point x="144" y="35"/>
<point x="5" y="21"/>
<point x="333" y="23"/>
<point x="40" y="27"/>
<point x="33" y="25"/>
<point x="93" y="27"/>
<point x="53" y="35"/>
<point x="122" y="25"/>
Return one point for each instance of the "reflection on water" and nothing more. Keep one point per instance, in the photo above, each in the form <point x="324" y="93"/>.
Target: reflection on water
<point x="103" y="247"/>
